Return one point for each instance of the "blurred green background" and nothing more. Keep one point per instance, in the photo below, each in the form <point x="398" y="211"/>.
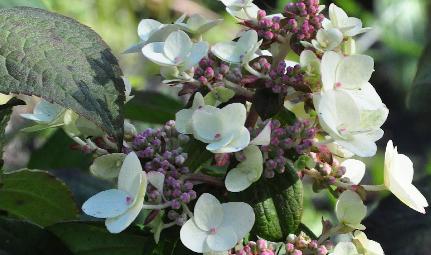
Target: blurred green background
<point x="399" y="35"/>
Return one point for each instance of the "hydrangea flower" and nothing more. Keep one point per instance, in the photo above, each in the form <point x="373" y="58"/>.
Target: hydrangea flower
<point x="223" y="129"/>
<point x="326" y="40"/>
<point x="247" y="171"/>
<point x="216" y="227"/>
<point x="398" y="172"/>
<point x="240" y="52"/>
<point x="349" y="26"/>
<point x="241" y="9"/>
<point x="353" y="128"/>
<point x="120" y="206"/>
<point x="45" y="112"/>
<point x="366" y="246"/>
<point x="350" y="210"/>
<point x="196" y="24"/>
<point x="177" y="51"/>
<point x="149" y="31"/>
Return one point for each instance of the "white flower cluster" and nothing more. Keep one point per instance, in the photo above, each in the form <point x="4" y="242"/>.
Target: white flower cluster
<point x="349" y="111"/>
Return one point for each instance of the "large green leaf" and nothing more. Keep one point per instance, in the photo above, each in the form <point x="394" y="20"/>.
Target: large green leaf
<point x="54" y="57"/>
<point x="399" y="229"/>
<point x="29" y="3"/>
<point x="93" y="239"/>
<point x="420" y="93"/>
<point x="61" y="156"/>
<point x="197" y="154"/>
<point x="152" y="107"/>
<point x="278" y="205"/>
<point x="23" y="238"/>
<point x="36" y="196"/>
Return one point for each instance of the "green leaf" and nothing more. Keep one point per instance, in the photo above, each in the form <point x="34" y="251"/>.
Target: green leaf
<point x="56" y="58"/>
<point x="285" y="117"/>
<point x="278" y="205"/>
<point x="420" y="93"/>
<point x="197" y="154"/>
<point x="92" y="238"/>
<point x="36" y="196"/>
<point x="152" y="107"/>
<point x="399" y="229"/>
<point x="61" y="156"/>
<point x="23" y="238"/>
<point x="14" y="3"/>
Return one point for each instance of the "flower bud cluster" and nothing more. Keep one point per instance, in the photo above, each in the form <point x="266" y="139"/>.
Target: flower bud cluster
<point x="260" y="247"/>
<point x="211" y="71"/>
<point x="328" y="167"/>
<point x="302" y="244"/>
<point x="161" y="150"/>
<point x="303" y="19"/>
<point x="283" y="77"/>
<point x="287" y="142"/>
<point x="268" y="28"/>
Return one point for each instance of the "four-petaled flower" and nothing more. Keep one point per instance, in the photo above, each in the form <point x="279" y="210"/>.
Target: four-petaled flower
<point x="177" y="51"/>
<point x="241" y="9"/>
<point x="216" y="227"/>
<point x="338" y="18"/>
<point x="120" y="206"/>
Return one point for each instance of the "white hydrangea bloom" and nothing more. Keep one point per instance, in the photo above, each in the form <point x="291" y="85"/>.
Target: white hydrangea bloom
<point x="46" y="113"/>
<point x="216" y="227"/>
<point x="196" y="24"/>
<point x="264" y="137"/>
<point x="240" y="52"/>
<point x="326" y="40"/>
<point x="177" y="51"/>
<point x="120" y="206"/>
<point x="351" y="127"/>
<point x="223" y="129"/>
<point x="366" y="246"/>
<point x="149" y="31"/>
<point x="156" y="179"/>
<point x="398" y="172"/>
<point x="338" y="18"/>
<point x="350" y="210"/>
<point x="241" y="9"/>
<point x="246" y="172"/>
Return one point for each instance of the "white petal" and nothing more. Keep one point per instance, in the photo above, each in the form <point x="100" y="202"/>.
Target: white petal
<point x="236" y="180"/>
<point x="226" y="52"/>
<point x="121" y="222"/>
<point x="363" y="145"/>
<point x="193" y="237"/>
<point x="367" y="97"/>
<point x="108" y="203"/>
<point x="223" y="240"/>
<point x="44" y="112"/>
<point x="233" y="116"/>
<point x="198" y="101"/>
<point x="207" y="125"/>
<point x="107" y="166"/>
<point x="146" y="27"/>
<point x="183" y="121"/>
<point x="329" y="38"/>
<point x="264" y="137"/>
<point x="247" y="13"/>
<point x="238" y="143"/>
<point x="345" y="248"/>
<point x="369" y="246"/>
<point x="156" y="179"/>
<point x="162" y="33"/>
<point x="355" y="71"/>
<point x="247" y="41"/>
<point x="130" y="176"/>
<point x="177" y="47"/>
<point x="307" y="58"/>
<point x="409" y="195"/>
<point x="350" y="209"/>
<point x="208" y="212"/>
<point x="355" y="170"/>
<point x="198" y="51"/>
<point x="240" y="216"/>
<point x="328" y="69"/>
<point x="337" y="15"/>
<point x="154" y="52"/>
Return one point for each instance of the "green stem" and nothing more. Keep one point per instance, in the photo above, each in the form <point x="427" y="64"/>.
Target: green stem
<point x="156" y="207"/>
